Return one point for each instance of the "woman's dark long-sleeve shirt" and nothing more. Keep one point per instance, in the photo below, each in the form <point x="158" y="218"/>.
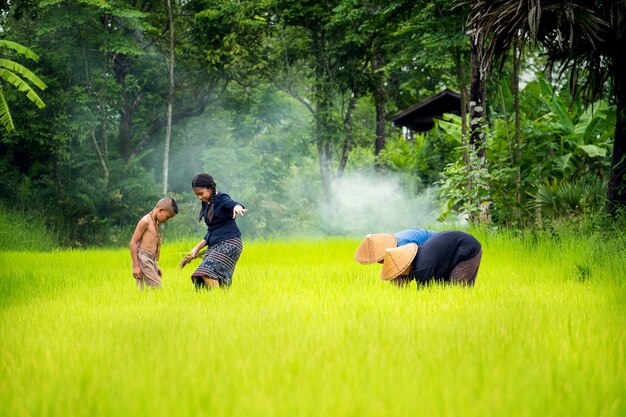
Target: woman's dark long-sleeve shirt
<point x="222" y="226"/>
<point x="437" y="257"/>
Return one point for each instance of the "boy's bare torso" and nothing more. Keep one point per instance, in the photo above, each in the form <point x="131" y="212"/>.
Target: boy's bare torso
<point x="150" y="240"/>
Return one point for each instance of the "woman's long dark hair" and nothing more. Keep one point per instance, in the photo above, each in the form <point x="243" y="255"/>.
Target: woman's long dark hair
<point x="206" y="181"/>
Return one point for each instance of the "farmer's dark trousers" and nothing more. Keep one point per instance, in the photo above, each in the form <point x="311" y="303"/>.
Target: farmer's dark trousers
<point x="465" y="272"/>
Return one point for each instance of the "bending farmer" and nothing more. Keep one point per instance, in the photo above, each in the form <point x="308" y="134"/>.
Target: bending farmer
<point x="451" y="256"/>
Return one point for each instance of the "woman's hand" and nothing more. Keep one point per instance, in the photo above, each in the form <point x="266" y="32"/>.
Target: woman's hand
<point x="238" y="210"/>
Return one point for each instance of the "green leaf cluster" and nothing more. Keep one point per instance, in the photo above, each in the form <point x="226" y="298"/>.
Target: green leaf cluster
<point x="19" y="77"/>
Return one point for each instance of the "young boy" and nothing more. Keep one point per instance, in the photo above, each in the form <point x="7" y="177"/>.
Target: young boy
<point x="145" y="244"/>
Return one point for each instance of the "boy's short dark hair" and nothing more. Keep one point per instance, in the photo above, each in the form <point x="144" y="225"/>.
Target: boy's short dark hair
<point x="168" y="203"/>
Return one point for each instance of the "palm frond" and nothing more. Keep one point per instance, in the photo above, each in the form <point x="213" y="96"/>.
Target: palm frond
<point x="23" y="86"/>
<point x="23" y="71"/>
<point x="20" y="49"/>
<point x="575" y="33"/>
<point x="5" y="115"/>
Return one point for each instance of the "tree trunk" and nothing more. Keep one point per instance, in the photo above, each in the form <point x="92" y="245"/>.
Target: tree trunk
<point x="322" y="113"/>
<point x="477" y="151"/>
<point x="101" y="104"/>
<point x="460" y="75"/>
<point x="517" y="149"/>
<point x="126" y="117"/>
<point x="60" y="188"/>
<point x="349" y="137"/>
<point x="617" y="181"/>
<point x="380" y="98"/>
<point x="477" y="94"/>
<point x="127" y="110"/>
<point x="170" y="99"/>
<point x="103" y="162"/>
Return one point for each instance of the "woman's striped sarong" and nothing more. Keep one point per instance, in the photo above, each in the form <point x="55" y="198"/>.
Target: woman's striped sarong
<point x="219" y="262"/>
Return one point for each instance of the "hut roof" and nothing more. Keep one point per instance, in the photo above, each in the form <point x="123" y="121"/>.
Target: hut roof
<point x="420" y="116"/>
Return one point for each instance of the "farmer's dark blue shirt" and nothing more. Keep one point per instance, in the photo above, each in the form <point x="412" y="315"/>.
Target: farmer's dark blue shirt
<point x="222" y="226"/>
<point x="437" y="257"/>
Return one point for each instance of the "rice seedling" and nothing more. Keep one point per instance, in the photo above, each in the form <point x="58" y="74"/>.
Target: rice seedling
<point x="305" y="330"/>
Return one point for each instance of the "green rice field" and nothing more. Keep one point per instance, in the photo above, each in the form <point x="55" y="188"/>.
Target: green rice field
<point x="306" y="331"/>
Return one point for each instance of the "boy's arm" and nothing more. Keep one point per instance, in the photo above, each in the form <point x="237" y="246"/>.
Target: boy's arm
<point x="134" y="242"/>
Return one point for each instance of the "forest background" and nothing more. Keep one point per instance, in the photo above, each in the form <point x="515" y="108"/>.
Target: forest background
<point x="109" y="105"/>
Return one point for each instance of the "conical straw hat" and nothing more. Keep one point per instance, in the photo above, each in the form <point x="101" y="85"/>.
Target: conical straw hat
<point x="373" y="247"/>
<point x="397" y="261"/>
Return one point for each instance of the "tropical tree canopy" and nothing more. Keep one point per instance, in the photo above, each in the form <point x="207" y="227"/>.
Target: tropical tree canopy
<point x="287" y="103"/>
<point x="586" y="40"/>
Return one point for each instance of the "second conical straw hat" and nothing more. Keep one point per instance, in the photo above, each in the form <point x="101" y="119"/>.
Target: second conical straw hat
<point x="373" y="247"/>
<point x="396" y="261"/>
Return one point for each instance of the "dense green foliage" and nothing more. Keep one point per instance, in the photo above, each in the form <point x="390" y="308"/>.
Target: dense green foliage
<point x="278" y="99"/>
<point x="583" y="39"/>
<point x="305" y="330"/>
<point x="564" y="162"/>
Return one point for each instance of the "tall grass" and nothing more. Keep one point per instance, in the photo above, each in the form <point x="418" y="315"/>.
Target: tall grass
<point x="24" y="231"/>
<point x="305" y="331"/>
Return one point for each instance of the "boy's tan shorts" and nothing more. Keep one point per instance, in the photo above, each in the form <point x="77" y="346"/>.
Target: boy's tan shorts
<point x="150" y="273"/>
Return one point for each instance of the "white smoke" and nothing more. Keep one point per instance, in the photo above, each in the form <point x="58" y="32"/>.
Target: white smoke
<point x="364" y="203"/>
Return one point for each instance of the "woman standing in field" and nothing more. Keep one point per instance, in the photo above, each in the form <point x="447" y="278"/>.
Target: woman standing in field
<point x="223" y="238"/>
